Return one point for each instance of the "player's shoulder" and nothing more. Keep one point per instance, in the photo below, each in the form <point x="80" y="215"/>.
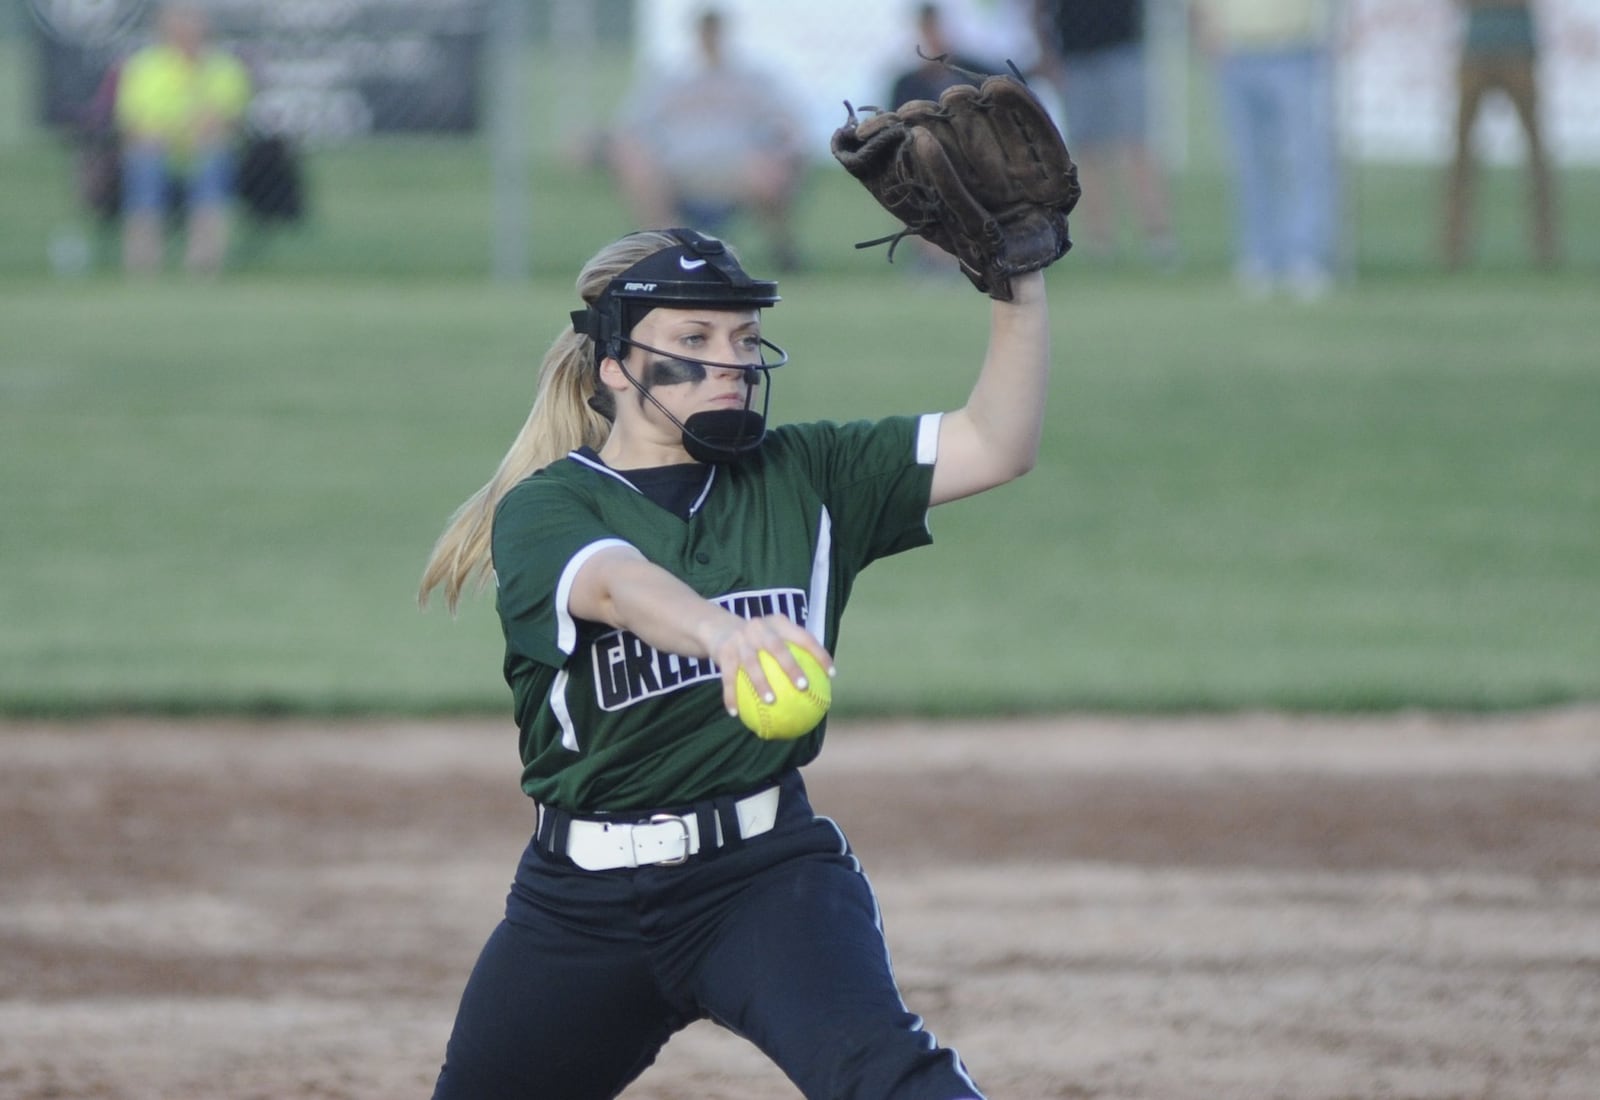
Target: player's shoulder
<point x="810" y="430"/>
<point x="789" y="443"/>
<point x="788" y="439"/>
<point x="561" y="479"/>
<point x="826" y="452"/>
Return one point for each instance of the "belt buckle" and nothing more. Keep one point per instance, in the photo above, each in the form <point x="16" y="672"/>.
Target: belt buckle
<point x="663" y="819"/>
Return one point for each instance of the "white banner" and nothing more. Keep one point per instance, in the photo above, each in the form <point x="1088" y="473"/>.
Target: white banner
<point x="1397" y="72"/>
<point x="1398" y="82"/>
<point x="823" y="52"/>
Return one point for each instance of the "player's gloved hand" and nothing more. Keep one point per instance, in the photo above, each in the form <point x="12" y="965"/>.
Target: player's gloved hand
<point x="983" y="173"/>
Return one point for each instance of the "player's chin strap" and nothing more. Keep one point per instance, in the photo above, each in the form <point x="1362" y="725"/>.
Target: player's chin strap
<point x="723" y="435"/>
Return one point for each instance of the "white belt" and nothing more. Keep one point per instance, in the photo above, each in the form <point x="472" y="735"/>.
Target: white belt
<point x="664" y="838"/>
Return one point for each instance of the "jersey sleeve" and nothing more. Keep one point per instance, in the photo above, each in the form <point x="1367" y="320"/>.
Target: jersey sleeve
<point x="543" y="533"/>
<point x="874" y="476"/>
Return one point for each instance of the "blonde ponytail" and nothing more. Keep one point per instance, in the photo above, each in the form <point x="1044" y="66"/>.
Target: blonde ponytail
<point x="560" y="421"/>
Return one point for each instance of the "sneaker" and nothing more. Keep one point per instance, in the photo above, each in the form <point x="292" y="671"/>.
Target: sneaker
<point x="1164" y="254"/>
<point x="1309" y="283"/>
<point x="1254" y="281"/>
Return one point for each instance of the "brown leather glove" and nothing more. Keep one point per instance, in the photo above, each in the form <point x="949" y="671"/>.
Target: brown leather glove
<point x="983" y="173"/>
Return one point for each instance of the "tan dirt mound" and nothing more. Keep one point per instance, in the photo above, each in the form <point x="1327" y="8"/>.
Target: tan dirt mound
<point x="1239" y="907"/>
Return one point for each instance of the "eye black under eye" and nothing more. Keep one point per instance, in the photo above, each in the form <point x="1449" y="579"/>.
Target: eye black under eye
<point x="673" y="372"/>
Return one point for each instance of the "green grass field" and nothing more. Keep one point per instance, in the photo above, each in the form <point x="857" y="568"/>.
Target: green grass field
<point x="219" y="497"/>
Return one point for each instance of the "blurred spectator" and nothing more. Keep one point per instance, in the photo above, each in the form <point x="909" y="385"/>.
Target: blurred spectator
<point x="719" y="139"/>
<point x="179" y="105"/>
<point x="941" y="65"/>
<point x="1094" y="52"/>
<point x="1274" y="67"/>
<point x="1001" y="29"/>
<point x="1499" y="51"/>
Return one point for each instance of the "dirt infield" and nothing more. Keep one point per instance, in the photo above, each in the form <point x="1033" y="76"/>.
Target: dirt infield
<point x="1236" y="908"/>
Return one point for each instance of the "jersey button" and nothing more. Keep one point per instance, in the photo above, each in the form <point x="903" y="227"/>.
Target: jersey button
<point x="702" y="557"/>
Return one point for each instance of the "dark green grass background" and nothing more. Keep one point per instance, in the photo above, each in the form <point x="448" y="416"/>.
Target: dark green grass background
<point x="219" y="497"/>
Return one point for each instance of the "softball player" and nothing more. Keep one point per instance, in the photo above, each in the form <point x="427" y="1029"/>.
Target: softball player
<point x="648" y="535"/>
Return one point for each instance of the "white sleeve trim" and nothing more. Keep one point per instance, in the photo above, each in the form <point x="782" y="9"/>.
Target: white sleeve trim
<point x="817" y="597"/>
<point x="566" y="626"/>
<point x="928" y="438"/>
<point x="558" y="707"/>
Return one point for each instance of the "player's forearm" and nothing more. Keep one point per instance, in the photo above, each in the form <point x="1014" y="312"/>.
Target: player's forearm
<point x="1006" y="406"/>
<point x="995" y="437"/>
<point x="623" y="589"/>
<point x="637" y="595"/>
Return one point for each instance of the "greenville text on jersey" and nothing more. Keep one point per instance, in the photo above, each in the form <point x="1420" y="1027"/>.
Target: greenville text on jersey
<point x="626" y="670"/>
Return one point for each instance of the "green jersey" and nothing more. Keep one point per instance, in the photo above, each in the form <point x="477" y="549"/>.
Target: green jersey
<point x="609" y="723"/>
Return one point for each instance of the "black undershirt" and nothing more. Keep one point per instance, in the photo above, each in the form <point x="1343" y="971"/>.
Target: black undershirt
<point x="674" y="487"/>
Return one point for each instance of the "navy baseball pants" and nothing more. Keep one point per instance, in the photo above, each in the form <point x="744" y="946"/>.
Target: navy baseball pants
<point x="777" y="939"/>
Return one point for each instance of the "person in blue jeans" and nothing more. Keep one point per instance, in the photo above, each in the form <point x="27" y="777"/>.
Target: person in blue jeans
<point x="179" y="105"/>
<point x="1094" y="53"/>
<point x="1274" y="67"/>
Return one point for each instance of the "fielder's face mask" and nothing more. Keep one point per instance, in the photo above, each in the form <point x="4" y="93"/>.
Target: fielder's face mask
<point x="698" y="273"/>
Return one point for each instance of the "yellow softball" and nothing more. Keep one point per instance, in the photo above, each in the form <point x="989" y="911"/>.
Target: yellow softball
<point x="793" y="712"/>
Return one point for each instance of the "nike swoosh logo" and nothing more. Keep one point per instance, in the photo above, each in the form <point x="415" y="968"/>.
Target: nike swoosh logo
<point x="688" y="264"/>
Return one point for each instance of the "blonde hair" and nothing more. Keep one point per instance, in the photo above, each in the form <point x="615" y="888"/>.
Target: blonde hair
<point x="560" y="421"/>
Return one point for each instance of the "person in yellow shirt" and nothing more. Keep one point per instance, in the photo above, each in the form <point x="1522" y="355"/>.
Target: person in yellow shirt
<point x="179" y="105"/>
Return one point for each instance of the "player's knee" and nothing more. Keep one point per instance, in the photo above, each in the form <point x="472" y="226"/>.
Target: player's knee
<point x="893" y="1058"/>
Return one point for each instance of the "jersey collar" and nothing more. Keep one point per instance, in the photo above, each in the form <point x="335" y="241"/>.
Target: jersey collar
<point x="586" y="456"/>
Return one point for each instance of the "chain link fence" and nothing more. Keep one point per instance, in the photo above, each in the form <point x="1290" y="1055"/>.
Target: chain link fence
<point x="384" y="137"/>
<point x="455" y="137"/>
